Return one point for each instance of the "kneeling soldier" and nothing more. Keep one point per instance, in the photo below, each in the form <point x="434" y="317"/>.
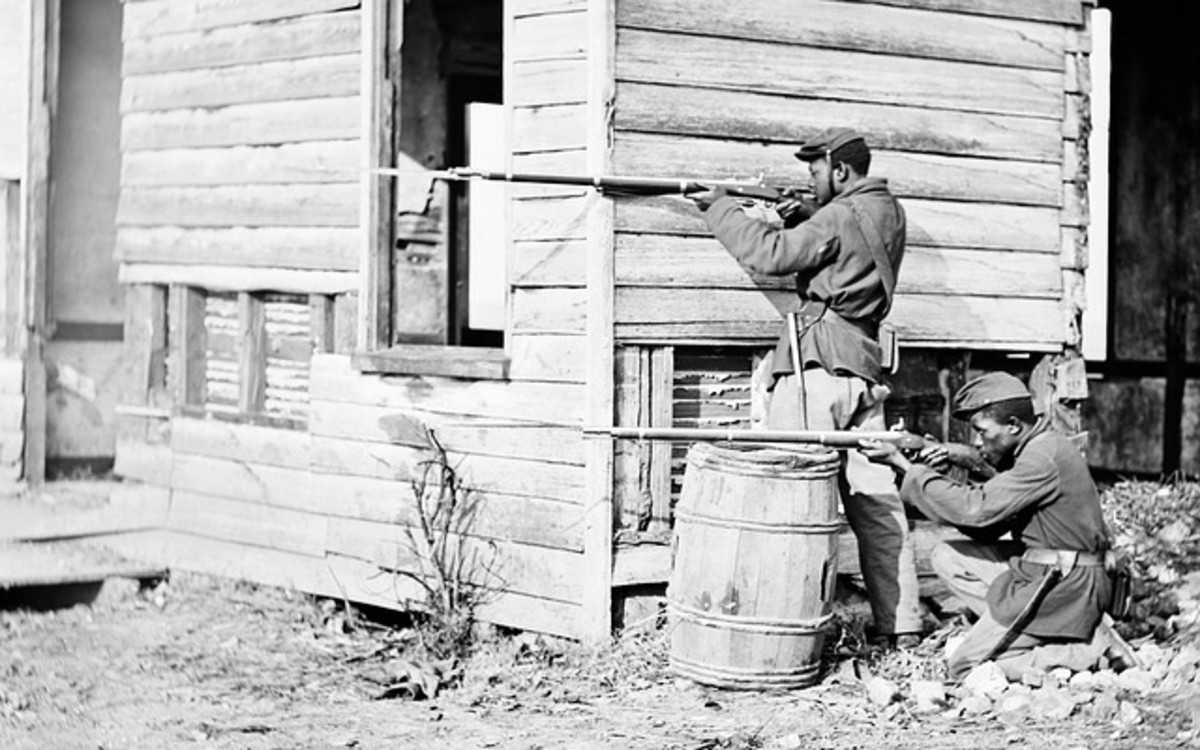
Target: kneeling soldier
<point x="1040" y="597"/>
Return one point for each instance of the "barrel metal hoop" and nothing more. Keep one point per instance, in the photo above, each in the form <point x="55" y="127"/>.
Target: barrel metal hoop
<point x="768" y="470"/>
<point x="767" y="528"/>
<point x="707" y="673"/>
<point x="771" y="625"/>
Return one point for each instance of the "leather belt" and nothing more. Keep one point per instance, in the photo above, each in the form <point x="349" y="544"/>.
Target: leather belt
<point x="1065" y="560"/>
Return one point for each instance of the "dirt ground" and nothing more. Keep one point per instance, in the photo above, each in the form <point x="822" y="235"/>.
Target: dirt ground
<point x="215" y="663"/>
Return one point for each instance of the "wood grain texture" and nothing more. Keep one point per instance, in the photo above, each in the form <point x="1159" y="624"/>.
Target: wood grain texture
<point x="559" y="263"/>
<point x="853" y="26"/>
<point x="334" y="118"/>
<point x="548" y="311"/>
<point x="554" y="127"/>
<point x="291" y="39"/>
<point x="280" y="80"/>
<point x="553" y="358"/>
<point x="708" y="63"/>
<point x="552" y="81"/>
<point x="240" y="278"/>
<point x="922" y="320"/>
<point x="300" y="205"/>
<point x="750" y="116"/>
<point x="548" y="36"/>
<point x="261" y="525"/>
<point x="149" y="19"/>
<point x="660" y="261"/>
<point x="478" y="436"/>
<point x="310" y="248"/>
<point x="1057" y="11"/>
<point x="930" y="223"/>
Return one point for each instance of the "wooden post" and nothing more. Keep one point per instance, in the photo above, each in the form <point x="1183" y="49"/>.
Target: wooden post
<point x="382" y="23"/>
<point x="322" y="323"/>
<point x="662" y="411"/>
<point x="598" y="525"/>
<point x="252" y="353"/>
<point x="43" y="87"/>
<point x="1173" y="395"/>
<point x="14" y="267"/>
<point x="144" y="349"/>
<point x="189" y="349"/>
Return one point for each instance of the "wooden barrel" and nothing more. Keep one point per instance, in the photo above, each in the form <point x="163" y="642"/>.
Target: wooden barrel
<point x="756" y="534"/>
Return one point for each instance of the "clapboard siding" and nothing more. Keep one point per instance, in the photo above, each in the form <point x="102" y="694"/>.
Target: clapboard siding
<point x="292" y="39"/>
<point x="930" y="223"/>
<point x="336" y="75"/>
<point x="713" y="64"/>
<point x="910" y="174"/>
<point x="312" y="248"/>
<point x="151" y="19"/>
<point x="549" y="36"/>
<point x="550" y="357"/>
<point x="662" y="108"/>
<point x="662" y="314"/>
<point x="554" y="81"/>
<point x="241" y="205"/>
<point x="308" y="162"/>
<point x="1063" y="11"/>
<point x="243" y="124"/>
<point x="857" y="27"/>
<point x="658" y="261"/>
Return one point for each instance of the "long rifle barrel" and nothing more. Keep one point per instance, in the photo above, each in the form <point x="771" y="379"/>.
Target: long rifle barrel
<point x="829" y="438"/>
<point x="614" y="184"/>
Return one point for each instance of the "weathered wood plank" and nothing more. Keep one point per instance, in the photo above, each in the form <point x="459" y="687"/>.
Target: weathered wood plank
<point x="334" y="118"/>
<point x="333" y="205"/>
<point x="550" y="218"/>
<point x="334" y="379"/>
<point x="539" y="82"/>
<point x="501" y="476"/>
<point x="554" y="127"/>
<point x="922" y="320"/>
<point x="554" y="264"/>
<point x="311" y="248"/>
<point x="930" y="223"/>
<point x="144" y="462"/>
<point x="909" y="174"/>
<point x="706" y="63"/>
<point x="1059" y="11"/>
<point x="251" y="353"/>
<point x="760" y="117"/>
<point x="865" y="27"/>
<point x="536" y="7"/>
<point x="291" y="39"/>
<point x="520" y="568"/>
<point x="211" y="515"/>
<point x="552" y="358"/>
<point x="282" y="80"/>
<point x="548" y="36"/>
<point x="562" y="311"/>
<point x="150" y="19"/>
<point x="504" y="518"/>
<point x="459" y="434"/>
<point x="240" y="278"/>
<point x="663" y="261"/>
<point x="128" y="508"/>
<point x="246" y="481"/>
<point x="317" y="161"/>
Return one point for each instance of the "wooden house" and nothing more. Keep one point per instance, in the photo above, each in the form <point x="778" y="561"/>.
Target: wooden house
<point x="294" y="325"/>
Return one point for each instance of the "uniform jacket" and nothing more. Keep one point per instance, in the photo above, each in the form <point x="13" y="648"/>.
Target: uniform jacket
<point x="1048" y="501"/>
<point x="833" y="264"/>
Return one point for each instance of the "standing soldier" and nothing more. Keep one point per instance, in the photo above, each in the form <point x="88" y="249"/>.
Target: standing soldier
<point x="827" y="372"/>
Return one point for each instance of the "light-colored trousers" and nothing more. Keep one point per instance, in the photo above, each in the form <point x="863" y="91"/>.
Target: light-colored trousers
<point x="968" y="569"/>
<point x="869" y="496"/>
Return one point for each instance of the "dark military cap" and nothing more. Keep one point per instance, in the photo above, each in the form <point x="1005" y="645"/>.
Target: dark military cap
<point x="986" y="390"/>
<point x="827" y="142"/>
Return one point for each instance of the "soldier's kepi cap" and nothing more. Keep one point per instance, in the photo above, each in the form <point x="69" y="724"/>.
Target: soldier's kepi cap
<point x="829" y="141"/>
<point x="986" y="390"/>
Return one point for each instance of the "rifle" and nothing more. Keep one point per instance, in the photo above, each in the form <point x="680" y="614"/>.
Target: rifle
<point x="840" y="439"/>
<point x="756" y="190"/>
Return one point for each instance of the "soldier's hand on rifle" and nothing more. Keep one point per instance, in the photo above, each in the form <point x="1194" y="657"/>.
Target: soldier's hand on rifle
<point x="934" y="454"/>
<point x="705" y="198"/>
<point x="795" y="206"/>
<point x="883" y="452"/>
